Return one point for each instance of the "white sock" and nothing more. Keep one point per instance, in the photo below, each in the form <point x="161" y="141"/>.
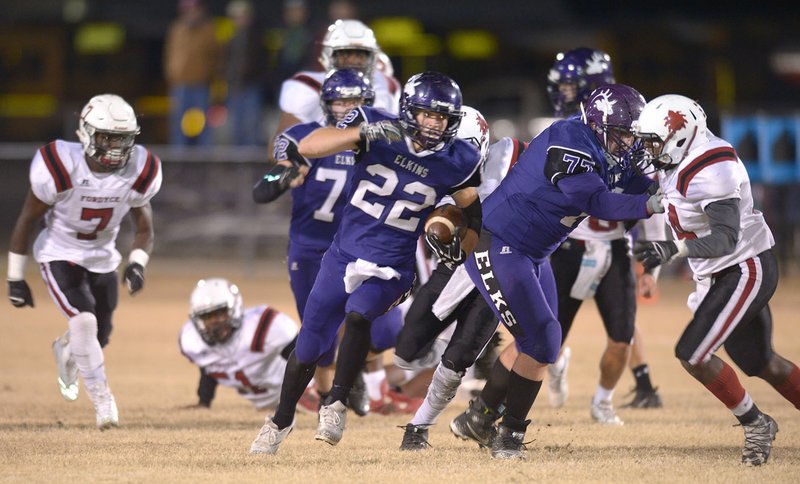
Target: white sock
<point x="744" y="406"/>
<point x="441" y="391"/>
<point x="374" y="381"/>
<point x="602" y="394"/>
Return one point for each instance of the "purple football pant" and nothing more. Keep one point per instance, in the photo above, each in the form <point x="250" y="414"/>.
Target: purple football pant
<point x="522" y="294"/>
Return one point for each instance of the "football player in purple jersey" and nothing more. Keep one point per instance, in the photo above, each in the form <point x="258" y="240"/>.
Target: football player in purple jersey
<point x="403" y="167"/>
<point x="595" y="262"/>
<point x="567" y="173"/>
<point x="318" y="198"/>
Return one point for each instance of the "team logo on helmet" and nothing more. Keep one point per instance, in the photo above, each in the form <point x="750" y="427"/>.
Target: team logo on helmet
<point x="604" y="103"/>
<point x="675" y="121"/>
<point x="596" y="64"/>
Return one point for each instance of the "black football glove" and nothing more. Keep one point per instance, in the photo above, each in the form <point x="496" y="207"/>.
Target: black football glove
<point x="449" y="254"/>
<point x="20" y="294"/>
<point x="654" y="253"/>
<point x="133" y="277"/>
<point x="385" y="130"/>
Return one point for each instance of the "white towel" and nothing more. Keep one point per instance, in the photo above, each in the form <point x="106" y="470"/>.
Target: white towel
<point x="594" y="266"/>
<point x="359" y="271"/>
<point x="453" y="293"/>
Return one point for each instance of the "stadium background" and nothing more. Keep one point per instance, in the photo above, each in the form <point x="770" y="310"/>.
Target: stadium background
<point x="737" y="58"/>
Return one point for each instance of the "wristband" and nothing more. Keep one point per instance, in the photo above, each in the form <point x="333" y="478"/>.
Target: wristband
<point x="138" y="256"/>
<point x="16" y="266"/>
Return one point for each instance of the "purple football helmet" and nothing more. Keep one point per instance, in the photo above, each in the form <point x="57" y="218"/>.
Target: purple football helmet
<point x="431" y="91"/>
<point x="345" y="84"/>
<point x="574" y="75"/>
<point x="611" y="111"/>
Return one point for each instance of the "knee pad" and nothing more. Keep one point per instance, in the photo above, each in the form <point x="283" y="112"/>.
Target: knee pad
<point x="83" y="342"/>
<point x="83" y="329"/>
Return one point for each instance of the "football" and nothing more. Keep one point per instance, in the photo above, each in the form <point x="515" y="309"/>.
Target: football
<point x="444" y="221"/>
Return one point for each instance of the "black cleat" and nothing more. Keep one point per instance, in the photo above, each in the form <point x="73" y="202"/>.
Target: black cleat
<point x="415" y="438"/>
<point x="358" y="399"/>
<point x="644" y="399"/>
<point x="508" y="444"/>
<point x="476" y="423"/>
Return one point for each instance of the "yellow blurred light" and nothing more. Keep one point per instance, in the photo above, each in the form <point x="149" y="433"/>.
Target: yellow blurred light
<point x="152" y="105"/>
<point x="472" y="44"/>
<point x="99" y="38"/>
<point x="27" y="105"/>
<point x="394" y="32"/>
<point x="193" y="122"/>
<point x="224" y="29"/>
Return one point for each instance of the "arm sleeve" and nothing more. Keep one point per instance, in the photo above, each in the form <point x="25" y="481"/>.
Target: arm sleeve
<point x="588" y="192"/>
<point x="723" y="218"/>
<point x="206" y="389"/>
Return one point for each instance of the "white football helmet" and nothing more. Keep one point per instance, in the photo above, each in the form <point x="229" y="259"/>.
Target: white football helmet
<point x="348" y="35"/>
<point x="212" y="295"/>
<point x="107" y="129"/>
<point x="474" y="129"/>
<point x="384" y="64"/>
<point x="670" y="126"/>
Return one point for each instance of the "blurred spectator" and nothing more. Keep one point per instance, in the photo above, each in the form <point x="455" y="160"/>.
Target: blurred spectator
<point x="191" y="57"/>
<point x="295" y="51"/>
<point x="245" y="74"/>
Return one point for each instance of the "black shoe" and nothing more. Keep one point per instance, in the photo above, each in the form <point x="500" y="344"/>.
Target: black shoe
<point x="476" y="423"/>
<point x="358" y="399"/>
<point x="644" y="399"/>
<point x="508" y="444"/>
<point x="415" y="438"/>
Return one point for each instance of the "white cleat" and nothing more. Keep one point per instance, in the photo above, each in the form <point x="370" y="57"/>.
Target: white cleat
<point x="557" y="386"/>
<point x="105" y="406"/>
<point x="332" y="420"/>
<point x="269" y="438"/>
<point x="603" y="413"/>
<point x="67" y="370"/>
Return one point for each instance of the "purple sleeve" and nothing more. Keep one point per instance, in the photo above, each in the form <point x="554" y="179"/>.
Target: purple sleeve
<point x="638" y="184"/>
<point x="588" y="192"/>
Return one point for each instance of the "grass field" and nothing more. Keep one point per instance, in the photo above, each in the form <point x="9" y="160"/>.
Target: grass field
<point x="45" y="439"/>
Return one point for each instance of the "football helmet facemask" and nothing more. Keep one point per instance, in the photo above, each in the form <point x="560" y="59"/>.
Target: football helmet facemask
<point x="107" y="128"/>
<point x="436" y="93"/>
<point x="349" y="35"/>
<point x="669" y="127"/>
<point x="216" y="310"/>
<point x="345" y="84"/>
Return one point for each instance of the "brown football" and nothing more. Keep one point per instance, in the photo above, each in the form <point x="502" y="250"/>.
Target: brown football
<point x="444" y="221"/>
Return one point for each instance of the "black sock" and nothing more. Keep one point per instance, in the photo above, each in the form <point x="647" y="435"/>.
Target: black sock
<point x="749" y="416"/>
<point x="521" y="394"/>
<point x="515" y="424"/>
<point x="352" y="354"/>
<point x="642" y="375"/>
<point x="494" y="392"/>
<point x="295" y="380"/>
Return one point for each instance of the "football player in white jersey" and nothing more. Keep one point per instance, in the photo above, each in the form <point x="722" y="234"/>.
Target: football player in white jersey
<point x="245" y="349"/>
<point x="83" y="191"/>
<point x="709" y="206"/>
<point x="347" y="44"/>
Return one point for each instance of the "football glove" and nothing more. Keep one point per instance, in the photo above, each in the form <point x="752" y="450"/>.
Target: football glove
<point x="654" y="202"/>
<point x="385" y="130"/>
<point x="133" y="277"/>
<point x="449" y="254"/>
<point x="20" y="294"/>
<point x="654" y="253"/>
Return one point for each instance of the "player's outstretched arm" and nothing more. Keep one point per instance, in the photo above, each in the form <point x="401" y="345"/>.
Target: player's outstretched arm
<point x="32" y="210"/>
<point x="328" y="141"/>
